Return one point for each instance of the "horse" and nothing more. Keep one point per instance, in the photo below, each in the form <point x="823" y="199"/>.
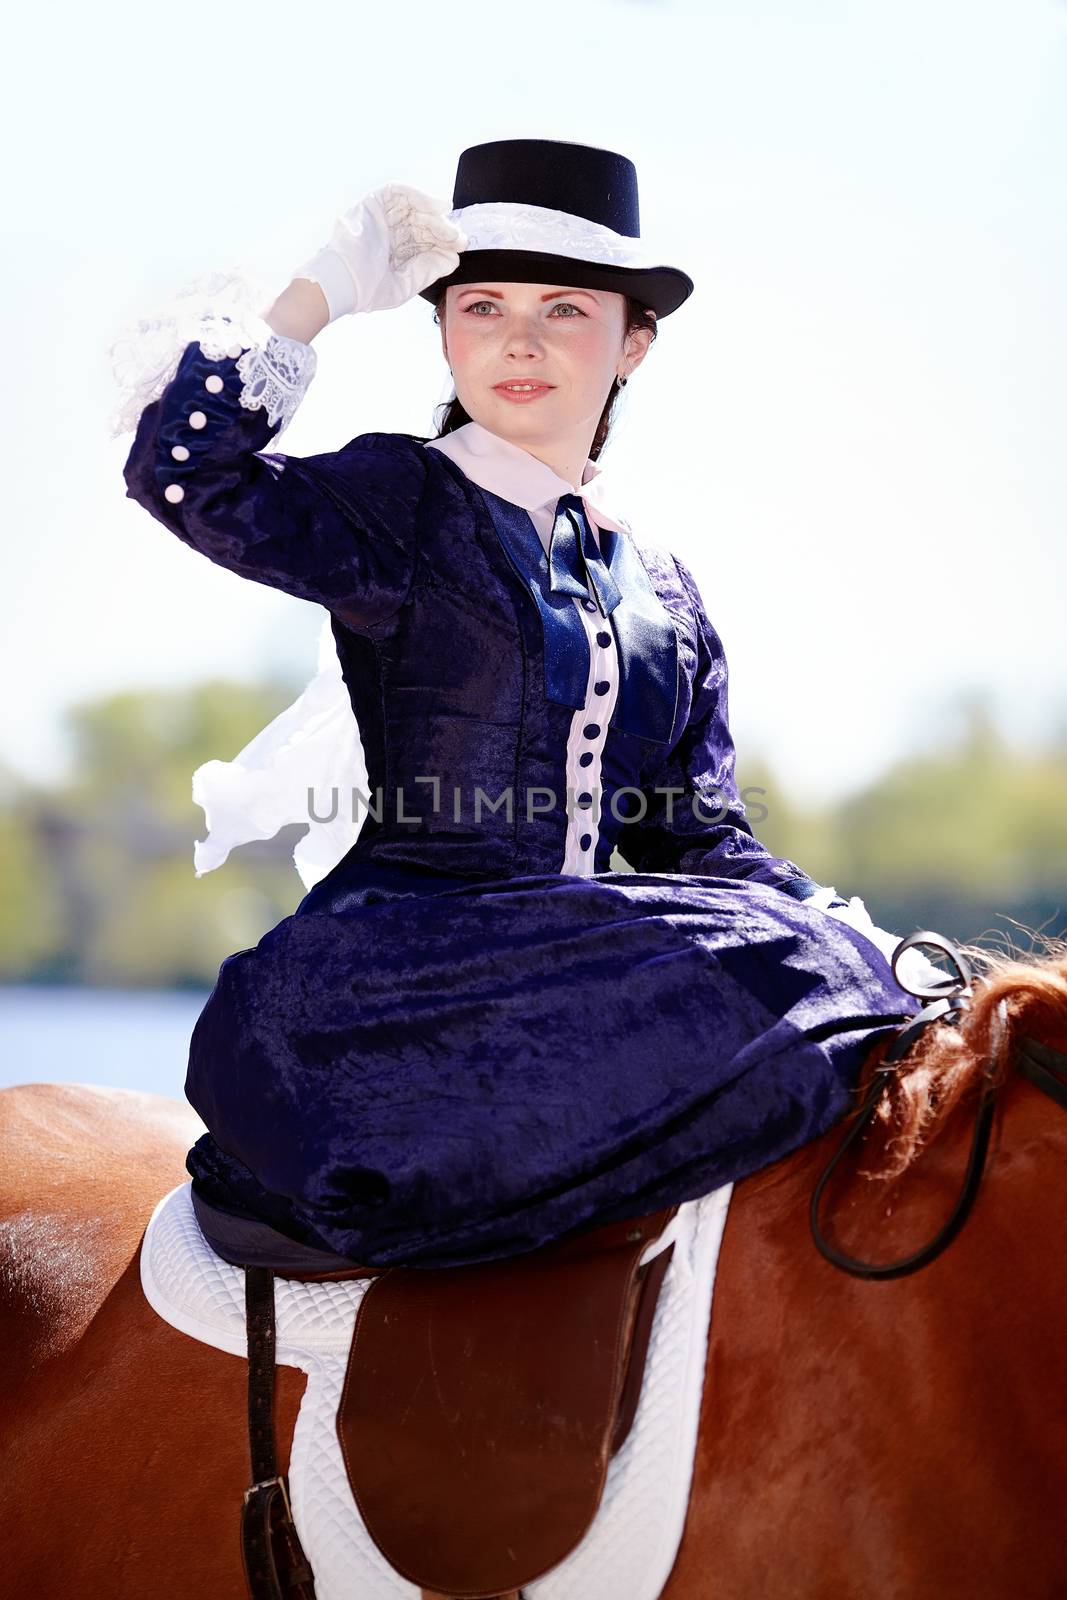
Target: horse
<point x="871" y="1433"/>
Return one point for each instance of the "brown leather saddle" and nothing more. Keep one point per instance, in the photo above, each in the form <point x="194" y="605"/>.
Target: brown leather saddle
<point x="480" y="1409"/>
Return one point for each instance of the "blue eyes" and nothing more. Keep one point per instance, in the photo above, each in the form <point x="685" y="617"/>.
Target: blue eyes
<point x="559" y="304"/>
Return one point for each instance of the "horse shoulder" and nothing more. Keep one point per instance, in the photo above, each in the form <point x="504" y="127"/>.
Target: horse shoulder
<point x="83" y="1168"/>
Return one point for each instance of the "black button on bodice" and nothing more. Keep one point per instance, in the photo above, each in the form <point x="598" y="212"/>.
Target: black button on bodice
<point x="602" y="687"/>
<point x="586" y="840"/>
<point x="584" y="760"/>
<point x="585" y="799"/>
<point x="591" y="730"/>
<point x="590" y="605"/>
<point x="603" y="638"/>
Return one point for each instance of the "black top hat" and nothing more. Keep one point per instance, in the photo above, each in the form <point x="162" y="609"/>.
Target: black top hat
<point x="545" y="211"/>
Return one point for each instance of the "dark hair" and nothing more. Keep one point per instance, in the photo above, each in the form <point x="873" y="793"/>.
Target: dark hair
<point x="637" y="316"/>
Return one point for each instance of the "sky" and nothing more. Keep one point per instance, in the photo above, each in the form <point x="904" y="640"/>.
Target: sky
<point x="853" y="431"/>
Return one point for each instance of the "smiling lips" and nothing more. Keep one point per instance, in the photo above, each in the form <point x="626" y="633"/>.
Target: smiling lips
<point x="519" y="389"/>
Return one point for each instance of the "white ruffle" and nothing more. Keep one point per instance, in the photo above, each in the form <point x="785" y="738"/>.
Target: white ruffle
<point x="313" y="745"/>
<point x="224" y="312"/>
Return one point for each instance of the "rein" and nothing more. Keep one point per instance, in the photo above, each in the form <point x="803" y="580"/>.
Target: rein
<point x="946" y="1002"/>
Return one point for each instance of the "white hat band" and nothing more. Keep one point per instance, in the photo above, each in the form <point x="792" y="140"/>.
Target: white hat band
<point x="509" y="225"/>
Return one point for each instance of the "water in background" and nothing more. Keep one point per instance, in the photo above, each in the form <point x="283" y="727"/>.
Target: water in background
<point x="124" y="1038"/>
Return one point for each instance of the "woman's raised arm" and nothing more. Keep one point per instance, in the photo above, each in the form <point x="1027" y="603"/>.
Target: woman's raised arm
<point x="336" y="528"/>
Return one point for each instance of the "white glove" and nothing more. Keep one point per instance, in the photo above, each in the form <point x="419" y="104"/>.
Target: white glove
<point x="914" y="969"/>
<point x="393" y="243"/>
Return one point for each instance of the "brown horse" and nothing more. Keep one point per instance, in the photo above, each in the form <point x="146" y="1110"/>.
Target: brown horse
<point x="859" y="1439"/>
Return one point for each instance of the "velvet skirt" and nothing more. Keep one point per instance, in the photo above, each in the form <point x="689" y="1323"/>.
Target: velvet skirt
<point x="427" y="1072"/>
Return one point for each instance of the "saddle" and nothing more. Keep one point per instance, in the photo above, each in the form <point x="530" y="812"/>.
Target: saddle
<point x="480" y="1408"/>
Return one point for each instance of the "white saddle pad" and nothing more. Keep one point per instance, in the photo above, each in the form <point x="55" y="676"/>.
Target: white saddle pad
<point x="632" y="1543"/>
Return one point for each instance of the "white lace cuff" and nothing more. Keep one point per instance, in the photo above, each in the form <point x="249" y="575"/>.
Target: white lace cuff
<point x="223" y="312"/>
<point x="276" y="375"/>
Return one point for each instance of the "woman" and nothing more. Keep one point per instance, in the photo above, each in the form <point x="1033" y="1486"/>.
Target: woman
<point x="472" y="1036"/>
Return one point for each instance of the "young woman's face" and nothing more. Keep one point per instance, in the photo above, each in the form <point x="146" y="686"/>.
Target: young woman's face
<point x="569" y="342"/>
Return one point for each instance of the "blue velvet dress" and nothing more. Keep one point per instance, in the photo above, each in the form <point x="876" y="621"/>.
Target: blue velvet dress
<point x="453" y="1051"/>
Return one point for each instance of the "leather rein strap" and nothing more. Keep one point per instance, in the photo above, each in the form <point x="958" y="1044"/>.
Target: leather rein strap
<point x="1043" y="1066"/>
<point x="1035" y="1061"/>
<point x="276" y="1567"/>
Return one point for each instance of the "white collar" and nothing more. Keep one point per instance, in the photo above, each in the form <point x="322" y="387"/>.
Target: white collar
<point x="513" y="473"/>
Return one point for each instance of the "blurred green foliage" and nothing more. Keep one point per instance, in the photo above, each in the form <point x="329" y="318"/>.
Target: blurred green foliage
<point x="969" y="839"/>
<point x="100" y="888"/>
<point x="99" y="869"/>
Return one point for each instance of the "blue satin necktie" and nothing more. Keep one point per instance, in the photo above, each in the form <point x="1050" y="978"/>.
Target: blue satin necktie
<point x="573" y="553"/>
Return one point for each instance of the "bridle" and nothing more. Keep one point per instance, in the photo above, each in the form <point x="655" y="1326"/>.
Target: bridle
<point x="946" y="1002"/>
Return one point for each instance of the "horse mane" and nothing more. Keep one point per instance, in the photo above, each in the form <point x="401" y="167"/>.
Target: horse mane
<point x="948" y="1059"/>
